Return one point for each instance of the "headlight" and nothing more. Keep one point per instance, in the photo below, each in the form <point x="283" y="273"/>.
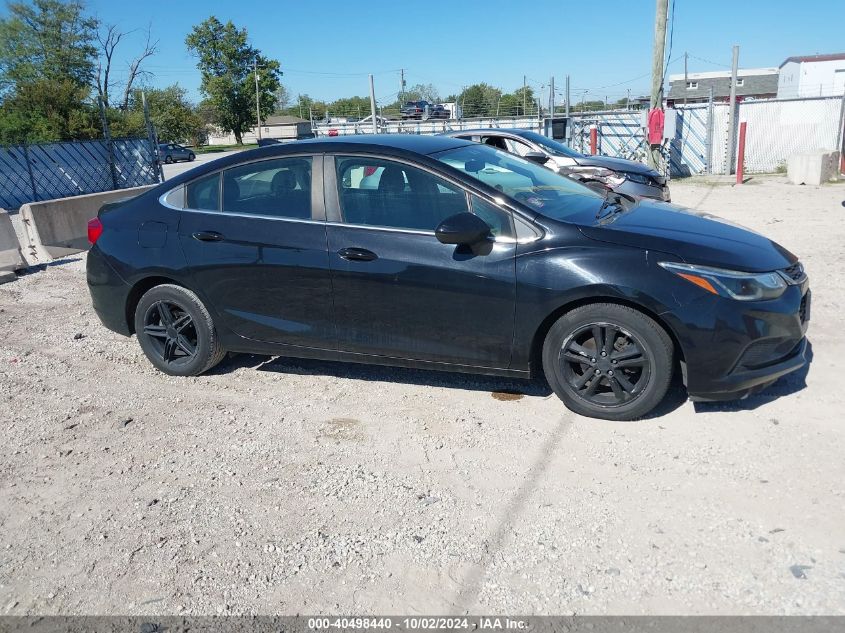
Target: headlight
<point x="640" y="178"/>
<point x="731" y="283"/>
<point x="602" y="174"/>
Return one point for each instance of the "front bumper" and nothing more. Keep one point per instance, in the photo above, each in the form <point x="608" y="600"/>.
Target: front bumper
<point x="733" y="348"/>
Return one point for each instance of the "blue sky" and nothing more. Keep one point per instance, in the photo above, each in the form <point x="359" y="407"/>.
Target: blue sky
<point x="327" y="48"/>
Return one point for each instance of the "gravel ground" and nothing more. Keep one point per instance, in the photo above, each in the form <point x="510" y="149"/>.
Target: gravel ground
<point x="285" y="486"/>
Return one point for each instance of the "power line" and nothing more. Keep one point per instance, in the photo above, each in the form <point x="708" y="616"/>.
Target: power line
<point x="671" y="36"/>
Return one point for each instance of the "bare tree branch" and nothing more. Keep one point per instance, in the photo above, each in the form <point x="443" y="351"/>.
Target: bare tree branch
<point x="135" y="70"/>
<point x="108" y="44"/>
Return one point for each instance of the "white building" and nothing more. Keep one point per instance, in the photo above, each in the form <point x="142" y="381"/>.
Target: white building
<point x="812" y="76"/>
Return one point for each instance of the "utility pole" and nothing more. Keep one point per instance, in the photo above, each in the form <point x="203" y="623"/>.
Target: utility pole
<point x="552" y="97"/>
<point x="151" y="138"/>
<point x="257" y="100"/>
<point x="658" y="53"/>
<point x="567" y="96"/>
<point x="628" y="100"/>
<point x="373" y="105"/>
<point x="686" y="75"/>
<point x="401" y="86"/>
<point x="732" y="111"/>
<point x="524" y="96"/>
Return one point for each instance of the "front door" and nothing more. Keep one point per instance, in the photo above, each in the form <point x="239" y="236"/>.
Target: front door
<point x="255" y="242"/>
<point x="398" y="292"/>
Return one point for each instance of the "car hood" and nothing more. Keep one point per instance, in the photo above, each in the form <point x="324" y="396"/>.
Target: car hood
<point x="696" y="238"/>
<point x="616" y="164"/>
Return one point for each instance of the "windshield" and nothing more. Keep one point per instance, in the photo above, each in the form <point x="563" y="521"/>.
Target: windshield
<point x="550" y="145"/>
<point x="535" y="186"/>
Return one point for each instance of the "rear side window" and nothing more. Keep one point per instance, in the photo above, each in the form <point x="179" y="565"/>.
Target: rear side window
<point x="387" y="193"/>
<point x="203" y="194"/>
<point x="280" y="187"/>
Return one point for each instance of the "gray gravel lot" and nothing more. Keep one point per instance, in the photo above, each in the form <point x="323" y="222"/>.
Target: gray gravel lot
<point x="286" y="486"/>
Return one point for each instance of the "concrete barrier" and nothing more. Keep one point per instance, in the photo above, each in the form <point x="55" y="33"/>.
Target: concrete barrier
<point x="10" y="249"/>
<point x="55" y="228"/>
<point x="813" y="168"/>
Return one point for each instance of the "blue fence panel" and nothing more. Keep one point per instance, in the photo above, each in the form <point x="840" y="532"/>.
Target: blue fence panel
<point x="59" y="170"/>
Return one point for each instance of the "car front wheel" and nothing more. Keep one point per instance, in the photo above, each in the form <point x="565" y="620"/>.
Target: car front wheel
<point x="608" y="361"/>
<point x="191" y="157"/>
<point x="168" y="159"/>
<point x="176" y="331"/>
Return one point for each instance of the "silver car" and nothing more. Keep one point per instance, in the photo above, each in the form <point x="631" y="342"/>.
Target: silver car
<point x="599" y="172"/>
<point x="173" y="152"/>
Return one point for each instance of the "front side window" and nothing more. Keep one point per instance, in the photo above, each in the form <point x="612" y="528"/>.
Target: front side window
<point x="377" y="192"/>
<point x="519" y="148"/>
<point x="203" y="194"/>
<point x="536" y="187"/>
<point x="280" y="188"/>
<point x="497" y="219"/>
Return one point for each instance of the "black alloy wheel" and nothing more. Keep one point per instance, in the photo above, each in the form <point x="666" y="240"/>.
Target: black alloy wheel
<point x="605" y="365"/>
<point x="176" y="331"/>
<point x="608" y="361"/>
<point x="171" y="332"/>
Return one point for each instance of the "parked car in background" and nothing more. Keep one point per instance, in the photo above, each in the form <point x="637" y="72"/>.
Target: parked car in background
<point x="439" y="111"/>
<point x="173" y="152"/>
<point x="415" y="110"/>
<point x="438" y="253"/>
<point x="600" y="172"/>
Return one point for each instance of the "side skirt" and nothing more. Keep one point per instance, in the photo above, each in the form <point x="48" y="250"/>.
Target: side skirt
<point x="241" y="345"/>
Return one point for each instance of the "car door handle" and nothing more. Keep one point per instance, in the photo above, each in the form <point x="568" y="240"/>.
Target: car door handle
<point x="357" y="254"/>
<point x="208" y="236"/>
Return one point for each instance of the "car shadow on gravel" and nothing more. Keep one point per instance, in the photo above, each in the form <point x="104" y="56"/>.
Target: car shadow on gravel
<point x="784" y="386"/>
<point x="500" y="387"/>
<point x="38" y="268"/>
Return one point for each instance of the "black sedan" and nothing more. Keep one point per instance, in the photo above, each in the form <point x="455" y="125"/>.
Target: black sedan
<point x="438" y="253"/>
<point x="600" y="172"/>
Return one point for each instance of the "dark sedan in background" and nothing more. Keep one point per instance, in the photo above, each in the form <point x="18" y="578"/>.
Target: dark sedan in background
<point x="615" y="174"/>
<point x="438" y="253"/>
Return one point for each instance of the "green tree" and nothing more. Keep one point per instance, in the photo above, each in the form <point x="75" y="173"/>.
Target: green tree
<point x="305" y="107"/>
<point x="479" y="100"/>
<point x="48" y="39"/>
<point x="350" y="106"/>
<point x="47" y="61"/>
<point x="172" y="115"/>
<point x="41" y="111"/>
<point x="419" y="92"/>
<point x="520" y="102"/>
<point x="226" y="62"/>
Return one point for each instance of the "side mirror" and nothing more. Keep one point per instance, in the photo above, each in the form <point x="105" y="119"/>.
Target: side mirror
<point x="536" y="157"/>
<point x="463" y="228"/>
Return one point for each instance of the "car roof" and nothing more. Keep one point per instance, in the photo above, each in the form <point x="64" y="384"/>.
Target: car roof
<point x="388" y="144"/>
<point x="488" y="131"/>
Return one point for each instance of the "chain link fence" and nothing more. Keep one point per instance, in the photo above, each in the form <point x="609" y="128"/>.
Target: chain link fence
<point x="59" y="170"/>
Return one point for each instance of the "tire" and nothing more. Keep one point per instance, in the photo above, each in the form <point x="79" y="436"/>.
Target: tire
<point x="622" y="384"/>
<point x="185" y="343"/>
<point x="168" y="159"/>
<point x="191" y="157"/>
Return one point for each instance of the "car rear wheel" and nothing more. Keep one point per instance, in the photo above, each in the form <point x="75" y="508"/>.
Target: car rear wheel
<point x="168" y="159"/>
<point x="608" y="361"/>
<point x="191" y="157"/>
<point x="176" y="331"/>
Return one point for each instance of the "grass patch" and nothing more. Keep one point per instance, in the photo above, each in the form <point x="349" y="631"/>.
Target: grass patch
<point x="209" y="149"/>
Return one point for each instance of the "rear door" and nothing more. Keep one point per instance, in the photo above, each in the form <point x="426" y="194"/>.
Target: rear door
<point x="398" y="292"/>
<point x="255" y="240"/>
